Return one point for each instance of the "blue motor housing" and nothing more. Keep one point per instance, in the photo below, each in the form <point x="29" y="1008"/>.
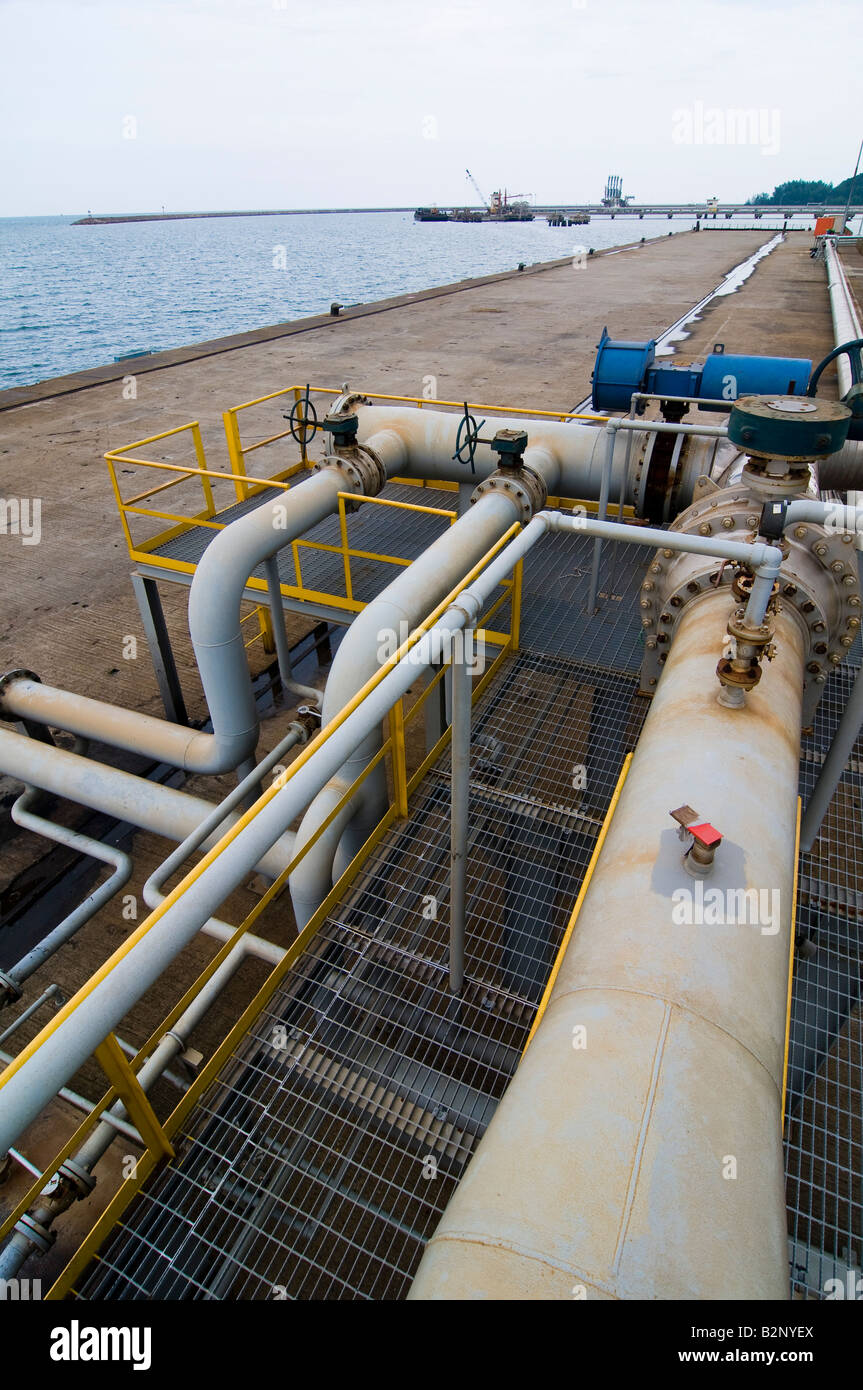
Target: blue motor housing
<point x="727" y="375"/>
<point x="618" y="365"/>
<point x="622" y="368"/>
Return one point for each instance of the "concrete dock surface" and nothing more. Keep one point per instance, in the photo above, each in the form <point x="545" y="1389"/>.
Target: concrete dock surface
<point x="524" y="340"/>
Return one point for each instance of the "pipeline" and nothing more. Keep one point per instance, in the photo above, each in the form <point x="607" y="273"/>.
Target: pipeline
<point x="415" y="443"/>
<point x="23" y="815"/>
<point x="214" y="623"/>
<point x="74" y="1181"/>
<point x="134" y="800"/>
<point x="596" y="1168"/>
<point x="39" y="1071"/>
<point x="398" y="609"/>
<point x="846" y="323"/>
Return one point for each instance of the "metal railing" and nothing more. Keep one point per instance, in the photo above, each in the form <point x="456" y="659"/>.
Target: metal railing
<point x="156" y="1135"/>
<point x="244" y="486"/>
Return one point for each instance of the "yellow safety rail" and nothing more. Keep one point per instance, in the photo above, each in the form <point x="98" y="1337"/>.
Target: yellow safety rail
<point x="143" y="552"/>
<point x="156" y="1135"/>
<point x="243" y="486"/>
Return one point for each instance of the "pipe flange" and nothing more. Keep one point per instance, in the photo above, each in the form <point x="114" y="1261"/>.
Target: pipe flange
<point x="77" y="1177"/>
<point x="739" y="629"/>
<point x="9" y="988"/>
<point x="21" y="673"/>
<point x="362" y="468"/>
<point x="742" y="677"/>
<point x="36" y="1232"/>
<point x="347" y="402"/>
<point x="523" y="486"/>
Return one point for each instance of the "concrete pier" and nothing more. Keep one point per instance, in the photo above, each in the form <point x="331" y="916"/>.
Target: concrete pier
<point x="521" y="339"/>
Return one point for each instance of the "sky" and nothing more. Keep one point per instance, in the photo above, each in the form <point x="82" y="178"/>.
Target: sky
<point x="135" y="105"/>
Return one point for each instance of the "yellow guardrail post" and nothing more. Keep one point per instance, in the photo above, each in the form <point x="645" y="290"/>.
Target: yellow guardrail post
<point x="121" y="507"/>
<point x="399" y="751"/>
<point x="235" y="452"/>
<point x="346" y="558"/>
<point x="115" y="1065"/>
<point x="515" y="606"/>
<point x="206" y="485"/>
<point x="265" y="624"/>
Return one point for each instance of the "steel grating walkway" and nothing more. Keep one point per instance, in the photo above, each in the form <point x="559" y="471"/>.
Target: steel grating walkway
<point x="382" y="530"/>
<point x="824" y="1134"/>
<point x="320" y="1160"/>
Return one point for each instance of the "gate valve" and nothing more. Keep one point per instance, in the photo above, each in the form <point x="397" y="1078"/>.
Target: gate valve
<point x="701" y="838"/>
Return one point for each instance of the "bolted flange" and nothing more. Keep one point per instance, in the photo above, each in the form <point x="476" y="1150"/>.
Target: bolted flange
<point x="362" y="468"/>
<point x="525" y="488"/>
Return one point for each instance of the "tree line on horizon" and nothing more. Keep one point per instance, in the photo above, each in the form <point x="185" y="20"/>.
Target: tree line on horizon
<point x="803" y="191"/>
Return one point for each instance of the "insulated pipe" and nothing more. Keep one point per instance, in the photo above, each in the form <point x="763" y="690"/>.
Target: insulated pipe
<point x="637" y="1152"/>
<point x="381" y="625"/>
<point x="215" y="601"/>
<point x="21" y="1245"/>
<point x="216" y="594"/>
<point x="38" y="1075"/>
<point x="846" y="324"/>
<point x="569" y="457"/>
<point x="83" y="844"/>
<point x="149" y="805"/>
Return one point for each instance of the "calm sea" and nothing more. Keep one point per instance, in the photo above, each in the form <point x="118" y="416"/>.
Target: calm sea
<point x="74" y="297"/>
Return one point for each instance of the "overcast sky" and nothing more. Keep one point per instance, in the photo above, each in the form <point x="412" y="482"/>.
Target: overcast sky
<point x="129" y="105"/>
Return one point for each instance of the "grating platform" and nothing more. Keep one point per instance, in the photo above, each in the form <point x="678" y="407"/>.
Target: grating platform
<point x="320" y="1160"/>
<point x="382" y="530"/>
<point x="824" y="1133"/>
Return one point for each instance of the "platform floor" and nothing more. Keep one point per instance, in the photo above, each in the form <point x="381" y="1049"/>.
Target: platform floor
<point x="320" y="1160"/>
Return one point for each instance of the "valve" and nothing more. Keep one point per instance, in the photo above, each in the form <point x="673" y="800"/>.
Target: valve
<point x="739" y="668"/>
<point x="702" y="840"/>
<point x="469" y="424"/>
<point x="302" y="426"/>
<point x="510" y="445"/>
<point x="343" y="429"/>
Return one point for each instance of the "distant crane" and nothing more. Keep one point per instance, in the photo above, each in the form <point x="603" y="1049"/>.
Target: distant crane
<point x="482" y="199"/>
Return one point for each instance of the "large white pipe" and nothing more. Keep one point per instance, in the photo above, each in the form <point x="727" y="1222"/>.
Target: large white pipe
<point x="381" y="626"/>
<point x="846" y="324"/>
<point x="36" y="1079"/>
<point x="215" y="601"/>
<point x="638" y="1152"/>
<point x="135" y="800"/>
<point x="569" y="457"/>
